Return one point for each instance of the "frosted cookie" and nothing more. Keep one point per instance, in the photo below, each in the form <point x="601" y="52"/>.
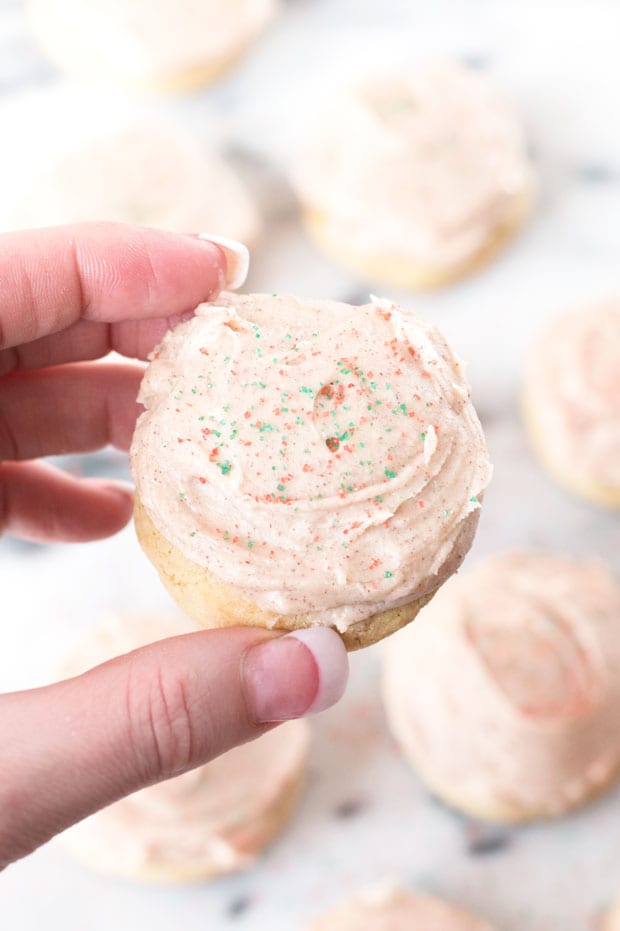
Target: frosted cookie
<point x="612" y="919"/>
<point x="388" y="908"/>
<point x="145" y="174"/>
<point x="154" y="45"/>
<point x="416" y="179"/>
<point x="304" y="462"/>
<point x="571" y="401"/>
<point x="506" y="694"/>
<point x="210" y="821"/>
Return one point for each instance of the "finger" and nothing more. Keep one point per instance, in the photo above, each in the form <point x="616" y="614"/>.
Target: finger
<point x="72" y="748"/>
<point x="68" y="409"/>
<point x="43" y="504"/>
<point x="51" y="278"/>
<point x="87" y="340"/>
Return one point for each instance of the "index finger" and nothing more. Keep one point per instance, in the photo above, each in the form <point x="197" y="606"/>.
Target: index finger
<point x="107" y="272"/>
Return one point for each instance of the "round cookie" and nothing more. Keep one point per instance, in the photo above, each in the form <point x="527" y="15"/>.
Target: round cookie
<point x="416" y="179"/>
<point x="388" y="908"/>
<point x="306" y="463"/>
<point x="571" y="401"/>
<point x="506" y="694"/>
<point x="611" y="921"/>
<point x="148" y="174"/>
<point x="163" y="45"/>
<point x="212" y="820"/>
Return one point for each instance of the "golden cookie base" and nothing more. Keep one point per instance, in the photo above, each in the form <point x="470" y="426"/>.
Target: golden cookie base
<point x="212" y="603"/>
<point x="605" y="495"/>
<point x="398" y="272"/>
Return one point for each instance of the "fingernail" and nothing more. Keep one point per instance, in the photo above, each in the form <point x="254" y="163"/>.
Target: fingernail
<point x="294" y="676"/>
<point x="237" y="259"/>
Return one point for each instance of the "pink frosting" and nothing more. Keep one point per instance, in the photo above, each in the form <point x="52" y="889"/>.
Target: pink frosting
<point x="573" y="393"/>
<point x="423" y="165"/>
<point x="388" y="908"/>
<point x="508" y="688"/>
<point x="318" y="457"/>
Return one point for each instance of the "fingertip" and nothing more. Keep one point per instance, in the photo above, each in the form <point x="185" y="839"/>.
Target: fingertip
<point x="332" y="661"/>
<point x="236" y="258"/>
<point x="112" y="505"/>
<point x="295" y="676"/>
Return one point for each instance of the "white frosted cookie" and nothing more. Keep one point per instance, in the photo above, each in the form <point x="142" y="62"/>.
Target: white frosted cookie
<point x="305" y="462"/>
<point x="388" y="908"/>
<point x="415" y="179"/>
<point x="505" y="695"/>
<point x="149" y="174"/>
<point x="212" y="820"/>
<point x="571" y="401"/>
<point x="161" y="45"/>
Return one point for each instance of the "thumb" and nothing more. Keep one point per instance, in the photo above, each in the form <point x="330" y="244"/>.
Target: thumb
<point x="71" y="748"/>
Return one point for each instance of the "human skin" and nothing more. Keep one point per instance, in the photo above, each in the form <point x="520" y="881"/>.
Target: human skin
<point x="69" y="295"/>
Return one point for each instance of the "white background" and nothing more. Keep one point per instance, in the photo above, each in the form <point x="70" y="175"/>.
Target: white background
<point x="559" y="62"/>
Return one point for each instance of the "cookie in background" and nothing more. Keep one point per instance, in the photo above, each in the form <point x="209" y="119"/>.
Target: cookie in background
<point x="148" y="173"/>
<point x="148" y="45"/>
<point x="415" y="179"/>
<point x="611" y="921"/>
<point x="571" y="401"/>
<point x="212" y="820"/>
<point x="505" y="694"/>
<point x="386" y="907"/>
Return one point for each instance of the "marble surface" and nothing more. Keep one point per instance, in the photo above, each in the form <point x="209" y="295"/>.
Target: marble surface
<point x="364" y="816"/>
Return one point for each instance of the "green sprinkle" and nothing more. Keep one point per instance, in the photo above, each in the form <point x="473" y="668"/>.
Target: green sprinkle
<point x="389" y="473"/>
<point x="224" y="467"/>
<point x="306" y="390"/>
<point x="388" y="575"/>
<point x="474" y="499"/>
<point x="423" y="436"/>
<point x="250" y="544"/>
<point x="281" y="487"/>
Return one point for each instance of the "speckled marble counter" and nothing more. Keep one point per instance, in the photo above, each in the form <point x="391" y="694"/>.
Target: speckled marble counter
<point x="364" y="816"/>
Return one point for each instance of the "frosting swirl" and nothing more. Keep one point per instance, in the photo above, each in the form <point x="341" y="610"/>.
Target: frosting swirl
<point x="423" y="165"/>
<point x="529" y="722"/>
<point x="572" y="393"/>
<point x="319" y="457"/>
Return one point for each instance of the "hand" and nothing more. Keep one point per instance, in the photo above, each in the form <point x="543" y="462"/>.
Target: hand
<point x="68" y="296"/>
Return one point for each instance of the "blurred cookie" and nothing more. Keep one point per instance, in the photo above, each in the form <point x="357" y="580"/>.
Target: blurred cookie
<point x="571" y="401"/>
<point x="416" y="179"/>
<point x="212" y="820"/>
<point x="505" y="694"/>
<point x="154" y="45"/>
